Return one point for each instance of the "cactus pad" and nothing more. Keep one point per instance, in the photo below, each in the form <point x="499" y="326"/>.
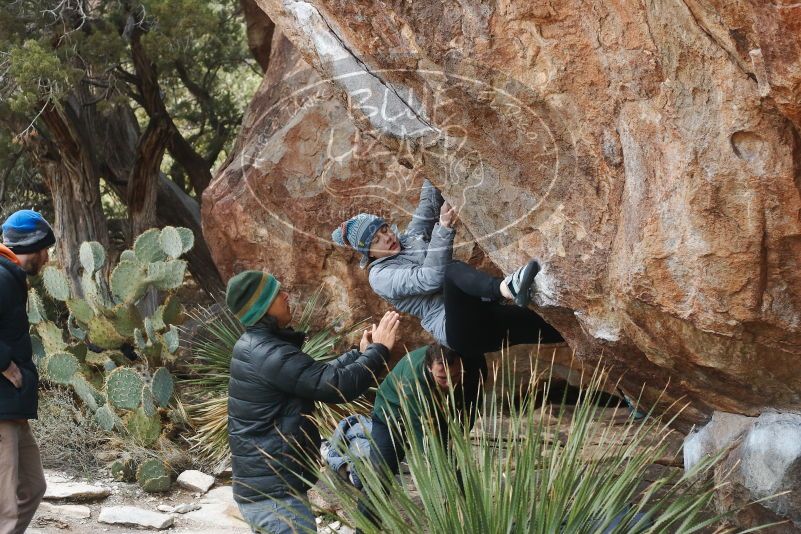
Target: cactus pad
<point x="153" y="476"/>
<point x="78" y="350"/>
<point x="51" y="337"/>
<point x="149" y="330"/>
<point x="147" y="247"/>
<point x="75" y="331"/>
<point x="124" y="388"/>
<point x="187" y="239"/>
<point x="36" y="311"/>
<point x="128" y="255"/>
<point x="143" y="428"/>
<point x="171" y="340"/>
<point x="139" y="339"/>
<point x="126" y="318"/>
<point x="103" y="334"/>
<point x="90" y="291"/>
<point x="162" y="386"/>
<point x="93" y="256"/>
<point x="166" y="274"/>
<point x="124" y="470"/>
<point x="148" y="403"/>
<point x="55" y="283"/>
<point x="106" y="418"/>
<point x="61" y="367"/>
<point x="171" y="242"/>
<point x="38" y="349"/>
<point x="128" y="281"/>
<point x="171" y="312"/>
<point x="80" y="309"/>
<point x="87" y="392"/>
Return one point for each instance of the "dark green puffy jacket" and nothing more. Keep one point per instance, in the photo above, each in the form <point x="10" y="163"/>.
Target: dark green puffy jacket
<point x="15" y="345"/>
<point x="272" y="392"/>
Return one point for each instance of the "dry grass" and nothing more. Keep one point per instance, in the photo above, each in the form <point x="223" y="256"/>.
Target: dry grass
<point x="67" y="435"/>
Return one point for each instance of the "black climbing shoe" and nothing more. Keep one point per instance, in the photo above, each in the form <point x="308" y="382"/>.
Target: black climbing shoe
<point x="521" y="282"/>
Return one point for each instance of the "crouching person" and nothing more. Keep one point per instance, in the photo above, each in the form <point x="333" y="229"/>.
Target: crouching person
<point x="430" y="374"/>
<point x="272" y="391"/>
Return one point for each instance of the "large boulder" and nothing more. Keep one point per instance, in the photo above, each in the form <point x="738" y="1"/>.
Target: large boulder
<point x="648" y="154"/>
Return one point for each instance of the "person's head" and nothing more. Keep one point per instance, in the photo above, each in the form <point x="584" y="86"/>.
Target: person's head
<point x="444" y="364"/>
<point x="369" y="235"/>
<point x="28" y="235"/>
<point x="251" y="295"/>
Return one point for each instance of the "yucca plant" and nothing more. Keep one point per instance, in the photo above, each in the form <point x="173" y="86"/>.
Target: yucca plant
<point x="212" y="348"/>
<point x="514" y="473"/>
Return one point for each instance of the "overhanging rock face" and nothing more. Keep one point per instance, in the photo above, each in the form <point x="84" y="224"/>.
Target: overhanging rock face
<point x="648" y="154"/>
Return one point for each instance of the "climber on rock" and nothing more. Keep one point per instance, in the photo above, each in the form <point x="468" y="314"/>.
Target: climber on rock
<point x="461" y="307"/>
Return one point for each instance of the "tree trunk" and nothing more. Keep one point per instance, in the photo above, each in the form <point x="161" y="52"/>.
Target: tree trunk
<point x="67" y="166"/>
<point x="260" y="31"/>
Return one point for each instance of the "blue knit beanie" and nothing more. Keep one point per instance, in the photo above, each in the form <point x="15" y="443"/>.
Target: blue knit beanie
<point x="358" y="233"/>
<point x="26" y="231"/>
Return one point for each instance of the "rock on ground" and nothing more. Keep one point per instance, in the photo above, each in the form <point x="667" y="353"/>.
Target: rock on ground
<point x="134" y="516"/>
<point x="75" y="511"/>
<point x="75" y="491"/>
<point x="764" y="461"/>
<point x="193" y="480"/>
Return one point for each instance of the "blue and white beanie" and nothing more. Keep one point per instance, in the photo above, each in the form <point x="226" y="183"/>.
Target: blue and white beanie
<point x="26" y="231"/>
<point x="358" y="232"/>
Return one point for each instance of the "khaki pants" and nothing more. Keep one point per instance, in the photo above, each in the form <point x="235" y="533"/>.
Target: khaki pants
<point x="22" y="482"/>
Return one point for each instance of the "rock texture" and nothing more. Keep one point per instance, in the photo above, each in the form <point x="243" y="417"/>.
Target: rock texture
<point x="299" y="167"/>
<point x="764" y="461"/>
<point x="648" y="154"/>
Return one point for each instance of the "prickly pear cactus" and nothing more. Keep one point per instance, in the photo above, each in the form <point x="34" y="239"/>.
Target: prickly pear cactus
<point x="144" y="428"/>
<point x="124" y="388"/>
<point x="153" y="476"/>
<point x="124" y="469"/>
<point x="111" y="354"/>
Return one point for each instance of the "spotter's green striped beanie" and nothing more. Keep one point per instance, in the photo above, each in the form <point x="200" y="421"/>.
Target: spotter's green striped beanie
<point x="249" y="295"/>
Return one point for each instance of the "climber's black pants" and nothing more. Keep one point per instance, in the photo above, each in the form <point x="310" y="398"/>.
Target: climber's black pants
<point x="474" y="326"/>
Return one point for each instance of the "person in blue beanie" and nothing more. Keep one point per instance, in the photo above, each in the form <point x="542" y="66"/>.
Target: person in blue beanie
<point x="26" y="238"/>
<point x="461" y="307"/>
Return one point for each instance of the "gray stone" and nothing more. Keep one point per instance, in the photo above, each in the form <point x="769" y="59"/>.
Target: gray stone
<point x="186" y="508"/>
<point x="195" y="481"/>
<point x="764" y="460"/>
<point x="133" y="516"/>
<point x="75" y="511"/>
<point x="166" y="508"/>
<point x="716" y="435"/>
<point x="75" y="491"/>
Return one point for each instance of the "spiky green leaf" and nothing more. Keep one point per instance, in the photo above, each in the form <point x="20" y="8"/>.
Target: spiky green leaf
<point x="171" y="242"/>
<point x="162" y="386"/>
<point x="147" y="246"/>
<point x="61" y="367"/>
<point x="124" y="388"/>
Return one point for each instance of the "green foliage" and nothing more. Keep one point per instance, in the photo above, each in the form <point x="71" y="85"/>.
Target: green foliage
<point x="162" y="386"/>
<point x="90" y="396"/>
<point x="93" y="256"/>
<point x="124" y="388"/>
<point x="171" y="243"/>
<point x="106" y="418"/>
<point x="36" y="311"/>
<point x="61" y="367"/>
<point x="153" y="476"/>
<point x="55" y="283"/>
<point x="124" y="469"/>
<point x="51" y="336"/>
<point x="520" y="473"/>
<point x="147" y="247"/>
<point x="80" y="310"/>
<point x="144" y="428"/>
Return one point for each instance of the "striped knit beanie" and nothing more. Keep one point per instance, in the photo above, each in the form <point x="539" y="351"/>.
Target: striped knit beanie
<point x="26" y="231"/>
<point x="358" y="232"/>
<point x="250" y="294"/>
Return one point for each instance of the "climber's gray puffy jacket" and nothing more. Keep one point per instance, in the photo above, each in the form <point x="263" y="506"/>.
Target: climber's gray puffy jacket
<point x="271" y="396"/>
<point x="412" y="279"/>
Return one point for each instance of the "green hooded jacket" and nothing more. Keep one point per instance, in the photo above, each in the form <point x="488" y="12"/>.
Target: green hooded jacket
<point x="403" y="381"/>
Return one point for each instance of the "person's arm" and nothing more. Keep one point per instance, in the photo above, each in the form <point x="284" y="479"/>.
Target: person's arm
<point x="427" y="212"/>
<point x="296" y="373"/>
